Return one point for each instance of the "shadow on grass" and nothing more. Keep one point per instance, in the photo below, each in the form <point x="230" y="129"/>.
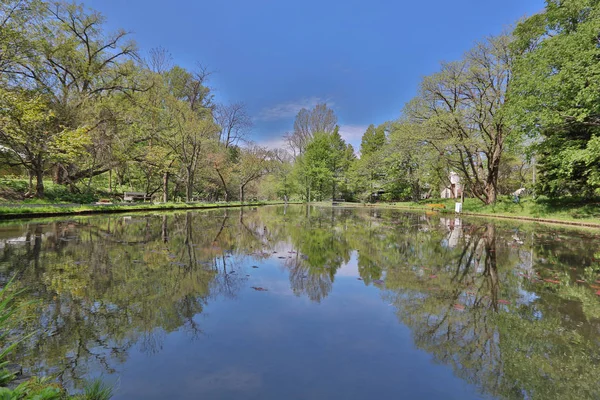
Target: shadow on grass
<point x="573" y="207"/>
<point x="542" y="207"/>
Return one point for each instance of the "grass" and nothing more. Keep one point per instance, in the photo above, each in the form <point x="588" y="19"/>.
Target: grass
<point x="12" y="190"/>
<point x="97" y="390"/>
<point x="7" y="311"/>
<point x="27" y="210"/>
<point x="571" y="211"/>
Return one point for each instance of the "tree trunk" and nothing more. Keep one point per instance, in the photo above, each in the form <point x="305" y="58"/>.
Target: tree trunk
<point x="188" y="193"/>
<point x="39" y="187"/>
<point x="491" y="184"/>
<point x="242" y="193"/>
<point x="189" y="186"/>
<point x="30" y="187"/>
<point x="224" y="184"/>
<point x="166" y="187"/>
<point x="333" y="191"/>
<point x="490" y="194"/>
<point x="59" y="174"/>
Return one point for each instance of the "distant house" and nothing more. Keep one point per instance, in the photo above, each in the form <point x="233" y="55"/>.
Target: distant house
<point x="455" y="190"/>
<point x="446" y="193"/>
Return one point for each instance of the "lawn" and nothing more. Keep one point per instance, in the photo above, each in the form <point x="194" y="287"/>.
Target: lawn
<point x="562" y="210"/>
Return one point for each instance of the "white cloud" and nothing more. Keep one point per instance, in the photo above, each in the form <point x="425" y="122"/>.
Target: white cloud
<point x="350" y="133"/>
<point x="353" y="134"/>
<point x="290" y="109"/>
<point x="273" y="143"/>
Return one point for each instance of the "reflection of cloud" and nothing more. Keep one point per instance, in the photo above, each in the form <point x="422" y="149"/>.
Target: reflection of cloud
<point x="290" y="109"/>
<point x="349" y="269"/>
<point x="226" y="379"/>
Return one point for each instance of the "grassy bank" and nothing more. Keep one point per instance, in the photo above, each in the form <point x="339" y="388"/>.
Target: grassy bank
<point x="566" y="211"/>
<point x="528" y="209"/>
<point x="47" y="210"/>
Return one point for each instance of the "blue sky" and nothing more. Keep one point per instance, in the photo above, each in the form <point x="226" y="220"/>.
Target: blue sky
<point x="364" y="58"/>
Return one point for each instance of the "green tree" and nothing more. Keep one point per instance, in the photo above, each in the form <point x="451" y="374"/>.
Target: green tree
<point x="320" y="119"/>
<point x="316" y="176"/>
<point x="462" y="112"/>
<point x="373" y="140"/>
<point x="255" y="162"/>
<point x="76" y="67"/>
<point x="555" y="94"/>
<point x="323" y="165"/>
<point x="31" y="138"/>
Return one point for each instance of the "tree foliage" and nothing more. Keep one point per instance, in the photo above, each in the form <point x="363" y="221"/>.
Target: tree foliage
<point x="555" y="96"/>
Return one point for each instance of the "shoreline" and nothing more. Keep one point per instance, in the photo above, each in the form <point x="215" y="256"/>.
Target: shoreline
<point x="550" y="221"/>
<point x="26" y="211"/>
<point x="56" y="210"/>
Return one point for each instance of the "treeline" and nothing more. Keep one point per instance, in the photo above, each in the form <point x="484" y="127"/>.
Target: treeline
<point x="80" y="105"/>
<point x="520" y="110"/>
<point x="87" y="109"/>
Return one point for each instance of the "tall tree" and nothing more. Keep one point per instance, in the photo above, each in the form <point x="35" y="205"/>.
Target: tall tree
<point x="322" y="167"/>
<point x="462" y="109"/>
<point x="192" y="140"/>
<point x="555" y="95"/>
<point x="255" y="162"/>
<point x="17" y="17"/>
<point x="235" y="123"/>
<point x="309" y="122"/>
<point x="76" y="66"/>
<point x="373" y="140"/>
<point x="30" y="137"/>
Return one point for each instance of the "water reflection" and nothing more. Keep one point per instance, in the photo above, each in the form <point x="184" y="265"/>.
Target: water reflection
<point x="511" y="309"/>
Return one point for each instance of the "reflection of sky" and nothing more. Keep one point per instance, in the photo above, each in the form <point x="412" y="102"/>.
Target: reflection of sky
<point x="350" y="269"/>
<point x="344" y="343"/>
<point x="272" y="345"/>
<point x="526" y="297"/>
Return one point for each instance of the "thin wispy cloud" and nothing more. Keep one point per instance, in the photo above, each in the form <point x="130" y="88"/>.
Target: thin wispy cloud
<point x="353" y="134"/>
<point x="290" y="109"/>
<point x="273" y="143"/>
<point x="350" y="133"/>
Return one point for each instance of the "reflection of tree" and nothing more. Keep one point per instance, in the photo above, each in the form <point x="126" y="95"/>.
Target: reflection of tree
<point x="109" y="284"/>
<point x="321" y="246"/>
<point x="457" y="312"/>
<point x="313" y="282"/>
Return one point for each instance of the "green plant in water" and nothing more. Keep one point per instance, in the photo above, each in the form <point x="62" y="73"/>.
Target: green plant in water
<point x="97" y="390"/>
<point x="7" y="310"/>
<point x="35" y="388"/>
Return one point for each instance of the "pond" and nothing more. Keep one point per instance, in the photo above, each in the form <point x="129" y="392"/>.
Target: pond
<point x="302" y="302"/>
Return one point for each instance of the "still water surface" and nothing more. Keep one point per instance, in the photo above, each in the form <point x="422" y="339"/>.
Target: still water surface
<point x="309" y="303"/>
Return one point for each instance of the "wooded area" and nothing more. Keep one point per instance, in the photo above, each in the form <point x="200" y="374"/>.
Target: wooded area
<point x="97" y="116"/>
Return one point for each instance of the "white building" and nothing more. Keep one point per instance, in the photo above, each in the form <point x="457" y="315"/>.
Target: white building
<point x="454" y="191"/>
